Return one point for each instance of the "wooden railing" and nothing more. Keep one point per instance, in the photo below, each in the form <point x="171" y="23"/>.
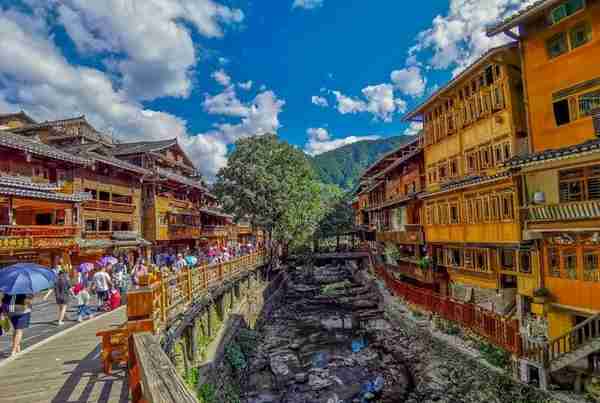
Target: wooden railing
<point x="548" y="352"/>
<point x="409" y="268"/>
<point x="183" y="232"/>
<point x="494" y="328"/>
<point x="410" y="233"/>
<point x="166" y="297"/>
<point x="214" y="230"/>
<point x="152" y="376"/>
<point x="103" y="205"/>
<point x="565" y="211"/>
<point x="41" y="231"/>
<point x="98" y="234"/>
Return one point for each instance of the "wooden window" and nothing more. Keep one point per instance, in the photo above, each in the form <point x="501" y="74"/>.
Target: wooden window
<point x="557" y="45"/>
<point x="454" y="167"/>
<point x="489" y="75"/>
<point x="486" y="208"/>
<point x="508" y="212"/>
<point x="494" y="208"/>
<point x="579" y="184"/>
<point x="570" y="263"/>
<point x="498" y="97"/>
<point x="485" y="157"/>
<point x="525" y="262"/>
<point x="478" y="210"/>
<point x="562" y="114"/>
<point x="481" y="260"/>
<point x="443" y="170"/>
<point x="454" y="213"/>
<point x="566" y="9"/>
<point x="91" y="225"/>
<point x="507" y="259"/>
<point x="580" y="35"/>
<point x="588" y="103"/>
<point x="468" y="258"/>
<point x="471" y="161"/>
<point x="498" y="155"/>
<point x="553" y="262"/>
<point x="454" y="257"/>
<point x="506" y="150"/>
<point x="590" y="265"/>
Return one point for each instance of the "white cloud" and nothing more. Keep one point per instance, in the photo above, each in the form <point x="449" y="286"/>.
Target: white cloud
<point x="413" y="129"/>
<point x="49" y="87"/>
<point x="246" y="86"/>
<point x="320" y="141"/>
<point x="379" y="101"/>
<point x="307" y="4"/>
<point x="148" y="43"/>
<point x="458" y="38"/>
<point x="319" y="101"/>
<point x="409" y="81"/>
<point x="221" y="77"/>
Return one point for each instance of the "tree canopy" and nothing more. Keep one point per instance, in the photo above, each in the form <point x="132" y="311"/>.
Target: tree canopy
<point x="273" y="184"/>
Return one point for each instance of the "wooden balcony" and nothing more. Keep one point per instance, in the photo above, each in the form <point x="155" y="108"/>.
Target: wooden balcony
<point x="182" y="204"/>
<point x="183" y="232"/>
<point x="408" y="267"/>
<point x="113" y="207"/>
<point x="98" y="234"/>
<point x="409" y="234"/>
<point x="39" y="231"/>
<point x="214" y="230"/>
<point x="572" y="211"/>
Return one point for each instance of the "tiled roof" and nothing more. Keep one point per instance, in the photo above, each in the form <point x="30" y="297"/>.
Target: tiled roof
<point x="369" y="189"/>
<point x="467" y="182"/>
<point x="36" y="194"/>
<point x="588" y="147"/>
<point x="20" y="114"/>
<point x="410" y="142"/>
<point x="142" y="147"/>
<point x="26" y="183"/>
<point x="217" y="213"/>
<point x="519" y="16"/>
<point x="180" y="178"/>
<point x="17" y="142"/>
<point x="473" y="66"/>
<point x="118" y="163"/>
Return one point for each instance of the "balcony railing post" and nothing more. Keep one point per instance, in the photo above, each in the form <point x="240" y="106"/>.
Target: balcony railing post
<point x="189" y="286"/>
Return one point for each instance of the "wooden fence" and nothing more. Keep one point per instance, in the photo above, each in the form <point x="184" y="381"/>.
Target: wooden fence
<point x="165" y="297"/>
<point x="500" y="331"/>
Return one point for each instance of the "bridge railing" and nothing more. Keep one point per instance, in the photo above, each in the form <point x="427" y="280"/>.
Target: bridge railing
<point x="166" y="296"/>
<point x="152" y="375"/>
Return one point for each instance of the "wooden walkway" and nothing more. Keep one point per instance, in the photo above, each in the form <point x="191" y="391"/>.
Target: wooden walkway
<point x="65" y="369"/>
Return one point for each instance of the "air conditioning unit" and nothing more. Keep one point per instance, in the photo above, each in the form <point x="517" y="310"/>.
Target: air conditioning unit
<point x="539" y="198"/>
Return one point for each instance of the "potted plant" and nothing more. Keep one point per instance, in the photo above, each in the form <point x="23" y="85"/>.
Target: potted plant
<point x="541" y="295"/>
<point x="424" y="263"/>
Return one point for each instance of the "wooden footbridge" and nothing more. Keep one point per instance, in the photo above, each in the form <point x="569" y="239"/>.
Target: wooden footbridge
<point x="76" y="366"/>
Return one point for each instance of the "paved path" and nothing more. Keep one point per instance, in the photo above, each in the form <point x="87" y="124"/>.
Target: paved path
<point x="65" y="368"/>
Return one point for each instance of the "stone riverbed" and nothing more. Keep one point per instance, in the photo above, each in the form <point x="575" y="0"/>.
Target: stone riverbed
<point x="332" y="339"/>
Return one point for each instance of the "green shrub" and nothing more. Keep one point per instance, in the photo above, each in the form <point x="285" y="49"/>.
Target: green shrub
<point x="235" y="357"/>
<point x="207" y="393"/>
<point x="494" y="355"/>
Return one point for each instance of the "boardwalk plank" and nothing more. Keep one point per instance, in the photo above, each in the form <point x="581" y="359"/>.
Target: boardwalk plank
<point x="66" y="369"/>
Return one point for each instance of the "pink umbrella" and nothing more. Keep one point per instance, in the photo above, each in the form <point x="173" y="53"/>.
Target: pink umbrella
<point x="106" y="260"/>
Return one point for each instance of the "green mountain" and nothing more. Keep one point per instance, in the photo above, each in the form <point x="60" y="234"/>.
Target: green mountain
<point x="343" y="166"/>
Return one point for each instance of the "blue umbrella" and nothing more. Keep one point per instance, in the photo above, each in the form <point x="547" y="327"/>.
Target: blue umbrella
<point x="25" y="278"/>
<point x="191" y="260"/>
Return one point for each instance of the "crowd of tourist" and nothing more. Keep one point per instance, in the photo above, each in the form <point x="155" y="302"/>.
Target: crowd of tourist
<point x="106" y="282"/>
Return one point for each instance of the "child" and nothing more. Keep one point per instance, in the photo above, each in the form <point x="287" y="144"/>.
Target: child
<point x="83" y="299"/>
<point x="114" y="298"/>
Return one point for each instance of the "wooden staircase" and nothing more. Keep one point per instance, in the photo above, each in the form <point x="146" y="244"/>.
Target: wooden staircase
<point x="579" y="342"/>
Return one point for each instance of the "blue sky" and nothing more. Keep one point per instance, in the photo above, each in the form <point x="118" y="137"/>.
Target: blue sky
<point x="320" y="73"/>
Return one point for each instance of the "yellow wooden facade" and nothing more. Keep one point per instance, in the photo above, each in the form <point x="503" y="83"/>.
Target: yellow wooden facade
<point x="560" y="44"/>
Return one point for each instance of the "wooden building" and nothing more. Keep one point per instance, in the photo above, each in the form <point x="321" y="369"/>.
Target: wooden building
<point x="40" y="211"/>
<point x="172" y="196"/>
<point x="560" y="44"/>
<point x="470" y="206"/>
<point x="391" y="206"/>
<point x="111" y="220"/>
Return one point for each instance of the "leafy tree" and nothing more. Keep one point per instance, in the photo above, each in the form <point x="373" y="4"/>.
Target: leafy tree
<point x="274" y="185"/>
<point x="340" y="215"/>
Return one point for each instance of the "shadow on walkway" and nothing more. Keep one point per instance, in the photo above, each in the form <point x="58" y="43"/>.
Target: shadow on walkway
<point x="88" y="376"/>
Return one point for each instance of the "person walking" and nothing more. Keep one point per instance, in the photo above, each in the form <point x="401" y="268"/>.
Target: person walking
<point x="62" y="291"/>
<point x="102" y="284"/>
<point x="120" y="277"/>
<point x="83" y="300"/>
<point x="18" y="309"/>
